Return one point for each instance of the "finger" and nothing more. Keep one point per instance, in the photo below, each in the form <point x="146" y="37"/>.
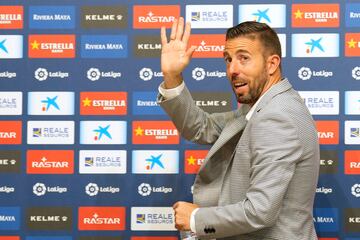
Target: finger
<point x="180" y="29"/>
<point x="163" y="36"/>
<point x="190" y="51"/>
<point x="173" y="29"/>
<point x="187" y="32"/>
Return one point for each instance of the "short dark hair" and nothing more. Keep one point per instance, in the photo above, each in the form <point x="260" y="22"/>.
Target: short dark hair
<point x="255" y="30"/>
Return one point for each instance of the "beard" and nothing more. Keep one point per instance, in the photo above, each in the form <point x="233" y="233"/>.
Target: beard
<point x="256" y="86"/>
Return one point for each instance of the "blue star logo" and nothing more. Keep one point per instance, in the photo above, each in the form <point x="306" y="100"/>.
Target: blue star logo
<point x="155" y="160"/>
<point x="103" y="131"/>
<point x="315" y="44"/>
<point x="51" y="102"/>
<point x="262" y="15"/>
<point x="2" y="46"/>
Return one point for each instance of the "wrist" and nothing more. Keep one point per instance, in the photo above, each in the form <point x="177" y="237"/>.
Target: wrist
<point x="172" y="81"/>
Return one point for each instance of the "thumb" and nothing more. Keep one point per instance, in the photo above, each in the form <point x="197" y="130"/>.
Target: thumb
<point x="190" y="51"/>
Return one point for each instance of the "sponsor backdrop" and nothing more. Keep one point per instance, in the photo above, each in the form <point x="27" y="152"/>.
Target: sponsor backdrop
<point x="87" y="154"/>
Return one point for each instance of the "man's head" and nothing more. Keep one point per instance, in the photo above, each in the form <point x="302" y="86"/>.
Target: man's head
<point x="253" y="56"/>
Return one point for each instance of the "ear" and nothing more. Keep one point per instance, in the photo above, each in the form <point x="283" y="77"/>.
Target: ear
<point x="273" y="64"/>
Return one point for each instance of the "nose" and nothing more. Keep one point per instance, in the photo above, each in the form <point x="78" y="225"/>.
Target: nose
<point x="233" y="69"/>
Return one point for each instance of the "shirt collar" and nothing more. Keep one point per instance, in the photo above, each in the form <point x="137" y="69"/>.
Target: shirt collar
<point x="252" y="109"/>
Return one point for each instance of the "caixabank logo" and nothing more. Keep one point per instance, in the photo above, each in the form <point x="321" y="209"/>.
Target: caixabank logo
<point x="102" y="161"/>
<point x="352" y="102"/>
<point x="328" y="132"/>
<point x="49" y="218"/>
<point x="103" y="132"/>
<point x="50" y="162"/>
<point x="208" y="45"/>
<point x="154" y="132"/>
<point x="152" y="219"/>
<point x="193" y="159"/>
<point x="326" y="219"/>
<point x="154" y="16"/>
<point x="104" y="46"/>
<point x="10" y="161"/>
<point x="11" y="17"/>
<point x="10" y="103"/>
<point x="103" y="103"/>
<point x="10" y="218"/>
<point x="10" y="132"/>
<point x="11" y="46"/>
<point x="210" y="16"/>
<point x="315" y="15"/>
<point x="352" y="162"/>
<point x="155" y="162"/>
<point x="352" y="44"/>
<point x="50" y="132"/>
<point x="102" y="218"/>
<point x="273" y="15"/>
<point x="52" y="17"/>
<point x="315" y="45"/>
<point x="51" y="45"/>
<point x="104" y="17"/>
<point x="144" y="103"/>
<point x="51" y="103"/>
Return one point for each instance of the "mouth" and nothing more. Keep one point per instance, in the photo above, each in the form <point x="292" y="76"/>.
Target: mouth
<point x="239" y="85"/>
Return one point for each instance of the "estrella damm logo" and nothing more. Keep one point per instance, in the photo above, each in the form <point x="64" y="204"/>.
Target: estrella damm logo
<point x="11" y="17"/>
<point x="155" y="16"/>
<point x="315" y="15"/>
<point x="52" y="46"/>
<point x="103" y="103"/>
<point x="352" y="44"/>
<point x="102" y="218"/>
<point x="154" y="132"/>
<point x="208" y="45"/>
<point x="50" y="162"/>
<point x="193" y="160"/>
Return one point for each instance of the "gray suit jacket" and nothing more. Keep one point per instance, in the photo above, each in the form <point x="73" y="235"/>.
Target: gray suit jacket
<point x="258" y="180"/>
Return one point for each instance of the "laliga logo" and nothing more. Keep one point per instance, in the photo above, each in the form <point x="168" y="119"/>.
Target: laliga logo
<point x="144" y="189"/>
<point x="39" y="189"/>
<point x="146" y="74"/>
<point x="198" y="74"/>
<point x="41" y="74"/>
<point x="304" y="73"/>
<point x="93" y="74"/>
<point x="356" y="73"/>
<point x="92" y="189"/>
<point x="355" y="190"/>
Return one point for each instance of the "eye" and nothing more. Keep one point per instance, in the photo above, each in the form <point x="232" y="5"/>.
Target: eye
<point x="227" y="59"/>
<point x="243" y="58"/>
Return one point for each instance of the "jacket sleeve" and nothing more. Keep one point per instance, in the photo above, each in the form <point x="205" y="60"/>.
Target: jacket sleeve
<point x="274" y="149"/>
<point x="192" y="122"/>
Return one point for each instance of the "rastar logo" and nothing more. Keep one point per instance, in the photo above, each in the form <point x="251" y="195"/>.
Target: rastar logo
<point x="315" y="15"/>
<point x="352" y="162"/>
<point x="193" y="159"/>
<point x="52" y="46"/>
<point x="50" y="162"/>
<point x="103" y="103"/>
<point x="11" y="17"/>
<point x="9" y="238"/>
<point x="102" y="218"/>
<point x="208" y="45"/>
<point x="352" y="44"/>
<point x="155" y="16"/>
<point x="328" y="132"/>
<point x="155" y="132"/>
<point x="10" y="132"/>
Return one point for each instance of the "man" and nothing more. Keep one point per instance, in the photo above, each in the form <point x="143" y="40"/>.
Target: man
<point x="259" y="178"/>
